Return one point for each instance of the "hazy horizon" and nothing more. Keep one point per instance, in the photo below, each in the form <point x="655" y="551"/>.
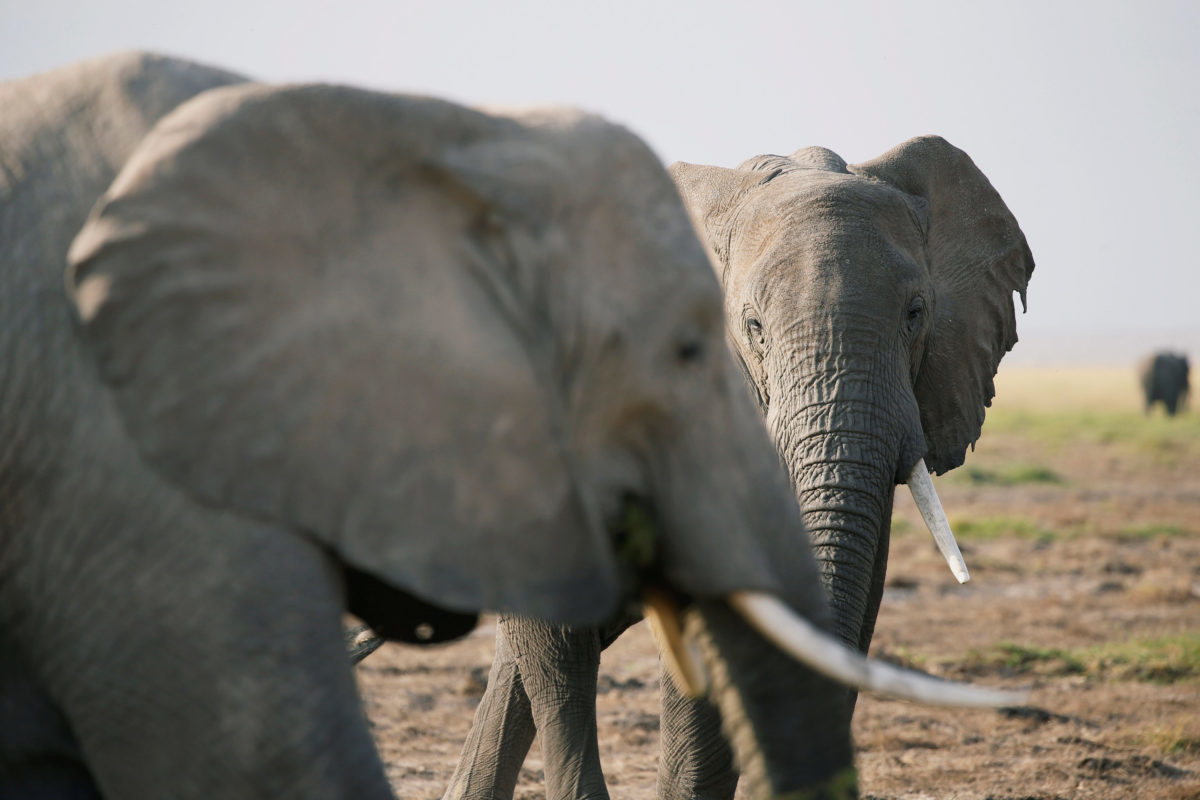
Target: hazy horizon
<point x="1085" y="116"/>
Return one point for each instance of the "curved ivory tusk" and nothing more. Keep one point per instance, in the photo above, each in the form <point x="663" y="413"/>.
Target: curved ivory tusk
<point x="683" y="662"/>
<point x="825" y="654"/>
<point x="921" y="486"/>
<point x="360" y="643"/>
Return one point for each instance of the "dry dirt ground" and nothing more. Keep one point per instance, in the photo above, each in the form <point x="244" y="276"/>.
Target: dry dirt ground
<point x="1080" y="521"/>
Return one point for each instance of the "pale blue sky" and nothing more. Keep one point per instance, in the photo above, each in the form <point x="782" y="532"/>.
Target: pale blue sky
<point x="1085" y="115"/>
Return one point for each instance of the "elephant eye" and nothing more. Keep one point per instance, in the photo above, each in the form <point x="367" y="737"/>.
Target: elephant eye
<point x="916" y="310"/>
<point x="690" y="350"/>
<point x="754" y="329"/>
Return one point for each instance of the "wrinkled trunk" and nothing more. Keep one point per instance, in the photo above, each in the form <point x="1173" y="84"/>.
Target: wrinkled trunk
<point x="843" y="443"/>
<point x="760" y="721"/>
<point x="847" y="510"/>
<point x="728" y="501"/>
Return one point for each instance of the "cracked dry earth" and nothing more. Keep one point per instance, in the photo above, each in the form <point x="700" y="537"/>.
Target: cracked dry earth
<point x="1085" y="586"/>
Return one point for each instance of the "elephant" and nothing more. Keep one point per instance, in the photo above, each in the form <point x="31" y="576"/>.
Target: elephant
<point x="278" y="353"/>
<point x="1164" y="379"/>
<point x="868" y="307"/>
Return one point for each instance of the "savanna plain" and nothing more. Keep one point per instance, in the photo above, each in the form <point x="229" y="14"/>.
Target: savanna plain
<point x="1079" y="518"/>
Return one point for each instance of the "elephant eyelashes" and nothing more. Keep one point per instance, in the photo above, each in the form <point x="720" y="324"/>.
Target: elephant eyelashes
<point x="916" y="310"/>
<point x="754" y="330"/>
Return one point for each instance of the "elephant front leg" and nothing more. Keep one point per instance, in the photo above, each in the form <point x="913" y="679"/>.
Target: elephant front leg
<point x="696" y="763"/>
<point x="156" y="656"/>
<point x="500" y="734"/>
<point x="545" y="674"/>
<point x="559" y="666"/>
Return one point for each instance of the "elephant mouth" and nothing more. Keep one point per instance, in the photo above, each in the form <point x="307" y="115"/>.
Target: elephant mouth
<point x="816" y="649"/>
<point x="637" y="529"/>
<point x="638" y="533"/>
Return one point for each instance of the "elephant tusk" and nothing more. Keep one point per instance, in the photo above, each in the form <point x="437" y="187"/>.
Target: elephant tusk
<point x="828" y="656"/>
<point x="361" y="642"/>
<point x="683" y="662"/>
<point x="921" y="486"/>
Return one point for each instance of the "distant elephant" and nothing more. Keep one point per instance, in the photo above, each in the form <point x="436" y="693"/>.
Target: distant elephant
<point x="1164" y="378"/>
<point x="321" y="349"/>
<point x="868" y="306"/>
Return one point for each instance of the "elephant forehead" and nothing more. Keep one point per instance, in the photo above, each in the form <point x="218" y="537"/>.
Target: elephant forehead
<point x="813" y="202"/>
<point x="825" y="231"/>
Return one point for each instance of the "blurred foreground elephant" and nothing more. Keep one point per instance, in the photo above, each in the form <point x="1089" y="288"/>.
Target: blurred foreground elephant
<point x="1164" y="379"/>
<point x="319" y="349"/>
<point x="869" y="306"/>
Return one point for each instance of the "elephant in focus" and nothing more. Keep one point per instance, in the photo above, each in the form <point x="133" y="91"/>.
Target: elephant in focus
<point x="868" y="307"/>
<point x="320" y="350"/>
<point x="1164" y="379"/>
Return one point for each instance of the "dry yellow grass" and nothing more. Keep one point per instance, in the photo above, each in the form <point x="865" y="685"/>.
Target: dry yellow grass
<point x="1068" y="388"/>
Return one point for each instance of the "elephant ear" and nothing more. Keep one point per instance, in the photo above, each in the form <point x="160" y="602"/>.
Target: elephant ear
<point x="978" y="257"/>
<point x="710" y="193"/>
<point x="315" y="305"/>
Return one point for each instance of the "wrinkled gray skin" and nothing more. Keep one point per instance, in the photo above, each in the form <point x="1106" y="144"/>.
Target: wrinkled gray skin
<point x="319" y="349"/>
<point x="869" y="306"/>
<point x="1164" y="379"/>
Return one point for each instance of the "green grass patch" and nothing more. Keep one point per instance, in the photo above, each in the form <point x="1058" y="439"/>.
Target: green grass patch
<point x="991" y="528"/>
<point x="1181" y="738"/>
<point x="1024" y="660"/>
<point x="1017" y="474"/>
<point x="1152" y="530"/>
<point x="1163" y="438"/>
<point x="1162" y="659"/>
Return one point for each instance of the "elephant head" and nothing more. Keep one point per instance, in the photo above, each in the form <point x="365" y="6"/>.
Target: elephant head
<point x="450" y="346"/>
<point x="869" y="306"/>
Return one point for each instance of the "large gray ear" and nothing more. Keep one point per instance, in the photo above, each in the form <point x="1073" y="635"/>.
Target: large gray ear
<point x="312" y="304"/>
<point x="978" y="257"/>
<point x="710" y="193"/>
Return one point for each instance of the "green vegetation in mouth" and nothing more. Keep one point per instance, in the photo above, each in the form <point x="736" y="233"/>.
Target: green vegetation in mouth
<point x="1161" y="659"/>
<point x="637" y="535"/>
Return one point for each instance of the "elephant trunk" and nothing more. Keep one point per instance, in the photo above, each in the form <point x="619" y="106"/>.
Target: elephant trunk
<point x="746" y="672"/>
<point x="848" y="514"/>
<point x="726" y="510"/>
<point x="845" y="449"/>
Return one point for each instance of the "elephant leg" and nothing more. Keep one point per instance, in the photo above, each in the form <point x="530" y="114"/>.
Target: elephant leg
<point x="695" y="763"/>
<point x="548" y="674"/>
<point x="559" y="666"/>
<point x="500" y="734"/>
<point x="144" y="623"/>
